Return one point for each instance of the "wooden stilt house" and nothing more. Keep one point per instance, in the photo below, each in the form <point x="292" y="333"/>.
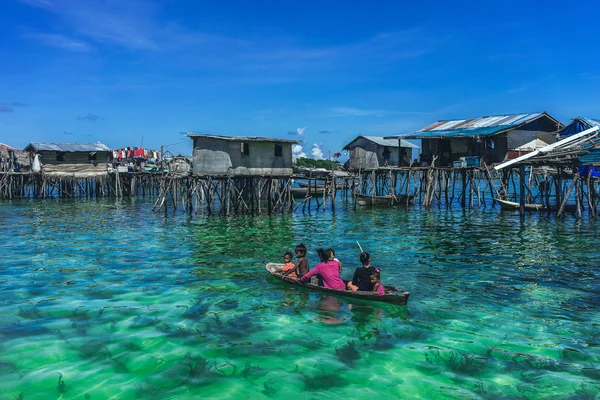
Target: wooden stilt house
<point x="371" y="152"/>
<point x="241" y="155"/>
<point x="72" y="159"/>
<point x="492" y="137"/>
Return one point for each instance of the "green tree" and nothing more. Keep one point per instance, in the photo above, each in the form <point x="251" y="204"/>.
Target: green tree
<point x="312" y="163"/>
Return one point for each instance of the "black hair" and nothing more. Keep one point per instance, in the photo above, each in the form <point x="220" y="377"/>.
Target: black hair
<point x="376" y="274"/>
<point x="301" y="248"/>
<point x="288" y="253"/>
<point x="331" y="252"/>
<point x="365" y="258"/>
<point x="324" y="255"/>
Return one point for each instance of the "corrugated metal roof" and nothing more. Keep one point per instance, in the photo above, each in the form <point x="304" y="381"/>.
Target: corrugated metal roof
<point x="482" y="126"/>
<point x="67" y="147"/>
<point x="406" y="143"/>
<point x="381" y="141"/>
<point x="243" y="138"/>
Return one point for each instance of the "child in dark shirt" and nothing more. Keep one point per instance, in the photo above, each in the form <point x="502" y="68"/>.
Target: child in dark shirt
<point x="362" y="275"/>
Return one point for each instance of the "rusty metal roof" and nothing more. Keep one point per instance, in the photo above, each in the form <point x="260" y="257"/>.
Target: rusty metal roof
<point x="485" y="126"/>
<point x="5" y="146"/>
<point x="67" y="147"/>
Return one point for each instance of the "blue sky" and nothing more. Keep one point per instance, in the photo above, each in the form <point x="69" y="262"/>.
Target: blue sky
<point x="141" y="72"/>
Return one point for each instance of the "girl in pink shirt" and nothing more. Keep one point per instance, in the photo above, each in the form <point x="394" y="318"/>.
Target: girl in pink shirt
<point x="329" y="271"/>
<point x="377" y="285"/>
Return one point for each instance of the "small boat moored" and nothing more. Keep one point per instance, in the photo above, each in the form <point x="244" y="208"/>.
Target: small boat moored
<point x="512" y="205"/>
<point x="389" y="200"/>
<point x="392" y="294"/>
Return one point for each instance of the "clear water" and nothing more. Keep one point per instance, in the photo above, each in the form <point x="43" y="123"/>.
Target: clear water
<point x="107" y="300"/>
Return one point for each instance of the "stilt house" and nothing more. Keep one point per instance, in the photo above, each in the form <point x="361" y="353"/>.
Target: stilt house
<point x="76" y="159"/>
<point x="13" y="159"/>
<point x="492" y="137"/>
<point x="241" y="155"/>
<point x="371" y="152"/>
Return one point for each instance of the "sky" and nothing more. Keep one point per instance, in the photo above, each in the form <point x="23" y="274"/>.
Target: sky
<point x="144" y="72"/>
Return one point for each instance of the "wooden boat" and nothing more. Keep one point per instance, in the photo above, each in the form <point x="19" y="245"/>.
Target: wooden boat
<point x="392" y="294"/>
<point x="319" y="186"/>
<point x="299" y="192"/>
<point x="512" y="205"/>
<point x="369" y="200"/>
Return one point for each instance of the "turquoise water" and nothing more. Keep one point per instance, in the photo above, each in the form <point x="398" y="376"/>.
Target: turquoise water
<point x="107" y="300"/>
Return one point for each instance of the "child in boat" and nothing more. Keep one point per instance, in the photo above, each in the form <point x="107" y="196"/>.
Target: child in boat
<point x="289" y="265"/>
<point x="328" y="270"/>
<point x="301" y="267"/>
<point x="362" y="275"/>
<point x="335" y="259"/>
<point x="377" y="285"/>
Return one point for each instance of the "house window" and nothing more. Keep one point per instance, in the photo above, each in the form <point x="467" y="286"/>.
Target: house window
<point x="278" y="150"/>
<point x="245" y="149"/>
<point x="92" y="156"/>
<point x="60" y="156"/>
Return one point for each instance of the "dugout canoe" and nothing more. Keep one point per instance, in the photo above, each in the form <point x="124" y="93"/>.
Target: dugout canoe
<point x="511" y="205"/>
<point x="370" y="200"/>
<point x="318" y="186"/>
<point x="300" y="192"/>
<point x="392" y="294"/>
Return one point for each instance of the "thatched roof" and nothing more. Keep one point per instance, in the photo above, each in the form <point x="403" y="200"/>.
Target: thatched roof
<point x="4" y="148"/>
<point x="22" y="158"/>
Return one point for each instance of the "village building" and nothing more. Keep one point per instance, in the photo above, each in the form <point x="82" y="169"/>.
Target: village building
<point x="12" y="159"/>
<point x="493" y="138"/>
<point x="241" y="155"/>
<point x="77" y="159"/>
<point x="371" y="152"/>
<point x="179" y="164"/>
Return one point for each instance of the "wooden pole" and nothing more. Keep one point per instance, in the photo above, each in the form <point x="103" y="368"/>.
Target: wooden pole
<point x="564" y="202"/>
<point x="522" y="190"/>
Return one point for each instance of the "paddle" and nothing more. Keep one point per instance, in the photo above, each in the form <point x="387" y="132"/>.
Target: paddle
<point x="360" y="247"/>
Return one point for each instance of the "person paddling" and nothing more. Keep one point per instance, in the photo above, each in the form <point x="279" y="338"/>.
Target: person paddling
<point x="362" y="275"/>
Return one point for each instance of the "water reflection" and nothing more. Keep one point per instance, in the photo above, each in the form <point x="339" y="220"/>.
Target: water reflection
<point x="329" y="310"/>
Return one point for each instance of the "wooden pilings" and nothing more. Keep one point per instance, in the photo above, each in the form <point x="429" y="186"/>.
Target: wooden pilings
<point x="553" y="190"/>
<point x="38" y="185"/>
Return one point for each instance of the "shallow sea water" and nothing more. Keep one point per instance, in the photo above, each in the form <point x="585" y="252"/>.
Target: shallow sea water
<point x="108" y="300"/>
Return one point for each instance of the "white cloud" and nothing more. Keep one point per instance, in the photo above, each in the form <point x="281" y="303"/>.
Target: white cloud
<point x="60" y="41"/>
<point x="298" y="152"/>
<point x="130" y="24"/>
<point x="301" y="131"/>
<point x="317" y="153"/>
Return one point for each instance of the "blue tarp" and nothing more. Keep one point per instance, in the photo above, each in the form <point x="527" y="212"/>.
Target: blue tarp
<point x="578" y="124"/>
